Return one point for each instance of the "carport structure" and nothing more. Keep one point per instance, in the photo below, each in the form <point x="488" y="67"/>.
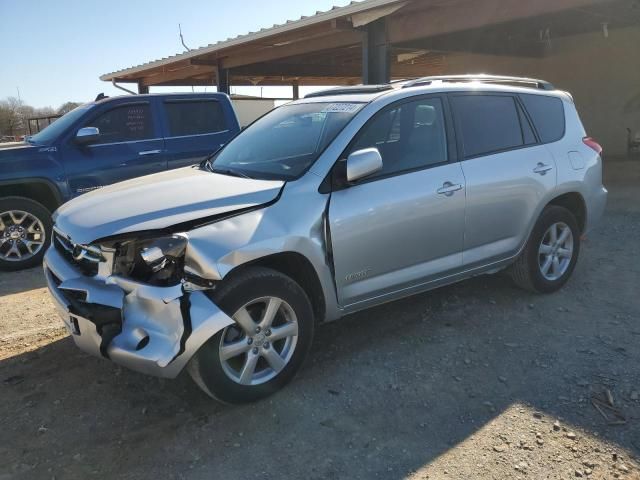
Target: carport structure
<point x="586" y="46"/>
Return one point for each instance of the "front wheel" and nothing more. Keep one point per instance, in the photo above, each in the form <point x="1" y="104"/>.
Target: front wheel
<point x="267" y="344"/>
<point x="551" y="253"/>
<point x="25" y="227"/>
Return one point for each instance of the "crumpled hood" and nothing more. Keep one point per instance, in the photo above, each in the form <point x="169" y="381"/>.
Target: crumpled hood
<point x="159" y="201"/>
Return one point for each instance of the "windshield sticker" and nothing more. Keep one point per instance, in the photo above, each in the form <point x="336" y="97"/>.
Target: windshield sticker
<point x="342" y="108"/>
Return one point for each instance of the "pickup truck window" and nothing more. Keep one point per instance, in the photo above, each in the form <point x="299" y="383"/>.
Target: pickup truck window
<point x="284" y="143"/>
<point x="57" y="128"/>
<point x="194" y="117"/>
<point x="126" y="123"/>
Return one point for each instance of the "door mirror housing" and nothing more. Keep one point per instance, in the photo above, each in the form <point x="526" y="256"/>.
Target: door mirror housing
<point x="362" y="163"/>
<point x="87" y="135"/>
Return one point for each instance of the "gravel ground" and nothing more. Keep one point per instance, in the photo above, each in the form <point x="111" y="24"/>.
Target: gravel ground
<point x="476" y="380"/>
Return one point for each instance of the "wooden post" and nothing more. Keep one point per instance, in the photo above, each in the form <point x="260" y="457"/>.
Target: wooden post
<point x="296" y="89"/>
<point x="376" y="66"/>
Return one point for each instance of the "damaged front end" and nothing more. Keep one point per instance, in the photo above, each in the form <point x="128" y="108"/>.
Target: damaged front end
<point x="137" y="302"/>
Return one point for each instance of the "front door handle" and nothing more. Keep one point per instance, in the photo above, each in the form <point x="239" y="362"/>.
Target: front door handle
<point x="449" y="188"/>
<point x="542" y="169"/>
<point x="149" y="152"/>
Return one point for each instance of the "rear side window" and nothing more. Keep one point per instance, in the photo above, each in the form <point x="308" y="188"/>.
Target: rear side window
<point x="124" y="124"/>
<point x="547" y="114"/>
<point x="194" y="117"/>
<point x="487" y="123"/>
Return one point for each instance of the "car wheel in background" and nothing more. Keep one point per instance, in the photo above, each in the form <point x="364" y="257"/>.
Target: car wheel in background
<point x="25" y="231"/>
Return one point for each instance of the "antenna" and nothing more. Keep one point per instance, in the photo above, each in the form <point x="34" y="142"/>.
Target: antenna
<point x="182" y="38"/>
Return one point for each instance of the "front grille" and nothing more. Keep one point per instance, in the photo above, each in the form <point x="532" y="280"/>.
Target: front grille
<point x="66" y="248"/>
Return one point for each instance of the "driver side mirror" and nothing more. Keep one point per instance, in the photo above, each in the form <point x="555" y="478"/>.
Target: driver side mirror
<point x="87" y="135"/>
<point x="362" y="163"/>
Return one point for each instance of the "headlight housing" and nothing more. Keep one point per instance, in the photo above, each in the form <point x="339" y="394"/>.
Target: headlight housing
<point x="157" y="261"/>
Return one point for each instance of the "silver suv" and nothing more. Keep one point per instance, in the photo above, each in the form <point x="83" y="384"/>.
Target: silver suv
<point x="328" y="205"/>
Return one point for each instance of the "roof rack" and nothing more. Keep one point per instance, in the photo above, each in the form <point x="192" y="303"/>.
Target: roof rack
<point x="536" y="83"/>
<point x="350" y="90"/>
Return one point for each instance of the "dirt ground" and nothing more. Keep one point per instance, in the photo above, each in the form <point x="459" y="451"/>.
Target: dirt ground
<point x="476" y="380"/>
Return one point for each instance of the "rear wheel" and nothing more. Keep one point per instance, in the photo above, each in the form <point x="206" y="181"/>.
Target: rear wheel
<point x="267" y="344"/>
<point x="551" y="253"/>
<point x="25" y="227"/>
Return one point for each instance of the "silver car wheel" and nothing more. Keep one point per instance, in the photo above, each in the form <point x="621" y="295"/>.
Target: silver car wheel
<point x="555" y="251"/>
<point x="261" y="343"/>
<point x="22" y="235"/>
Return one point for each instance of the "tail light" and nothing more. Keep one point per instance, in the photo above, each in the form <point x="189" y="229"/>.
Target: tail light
<point x="591" y="143"/>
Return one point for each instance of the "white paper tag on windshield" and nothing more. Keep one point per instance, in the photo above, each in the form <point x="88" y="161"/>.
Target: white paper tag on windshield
<point x="342" y="108"/>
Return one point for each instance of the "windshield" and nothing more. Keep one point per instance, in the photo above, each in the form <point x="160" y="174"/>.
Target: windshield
<point x="58" y="127"/>
<point x="283" y="144"/>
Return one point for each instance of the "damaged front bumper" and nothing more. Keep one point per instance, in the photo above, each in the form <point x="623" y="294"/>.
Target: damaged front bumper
<point x="153" y="330"/>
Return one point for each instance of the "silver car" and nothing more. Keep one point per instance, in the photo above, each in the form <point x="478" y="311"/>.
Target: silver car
<point x="328" y="205"/>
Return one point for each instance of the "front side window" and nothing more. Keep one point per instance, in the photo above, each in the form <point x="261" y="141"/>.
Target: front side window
<point x="408" y="136"/>
<point x="286" y="141"/>
<point x="487" y="123"/>
<point x="124" y="124"/>
<point x="194" y="117"/>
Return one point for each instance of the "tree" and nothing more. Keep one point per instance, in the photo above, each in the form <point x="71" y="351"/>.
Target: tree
<point x="67" y="107"/>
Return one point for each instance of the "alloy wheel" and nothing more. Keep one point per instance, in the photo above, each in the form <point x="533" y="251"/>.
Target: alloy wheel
<point x="261" y="342"/>
<point x="22" y="235"/>
<point x="555" y="251"/>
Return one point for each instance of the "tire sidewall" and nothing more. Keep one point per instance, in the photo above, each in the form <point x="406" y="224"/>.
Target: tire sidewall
<point x="549" y="216"/>
<point x="263" y="283"/>
<point x="38" y="210"/>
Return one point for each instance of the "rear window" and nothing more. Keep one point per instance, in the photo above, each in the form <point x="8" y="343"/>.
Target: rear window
<point x="194" y="117"/>
<point x="547" y="114"/>
<point x="487" y="123"/>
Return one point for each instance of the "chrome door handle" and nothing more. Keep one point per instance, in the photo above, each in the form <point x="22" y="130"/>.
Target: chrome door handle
<point x="449" y="188"/>
<point x="542" y="169"/>
<point x="149" y="152"/>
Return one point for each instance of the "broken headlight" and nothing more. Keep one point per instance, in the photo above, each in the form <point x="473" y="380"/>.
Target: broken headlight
<point x="157" y="261"/>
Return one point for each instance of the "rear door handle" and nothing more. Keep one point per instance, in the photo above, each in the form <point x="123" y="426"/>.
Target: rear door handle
<point x="149" y="152"/>
<point x="542" y="169"/>
<point x="449" y="188"/>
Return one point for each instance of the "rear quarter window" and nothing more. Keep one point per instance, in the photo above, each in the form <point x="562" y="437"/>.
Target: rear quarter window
<point x="547" y="114"/>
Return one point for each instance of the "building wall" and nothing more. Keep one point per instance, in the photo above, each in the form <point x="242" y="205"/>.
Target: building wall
<point x="602" y="74"/>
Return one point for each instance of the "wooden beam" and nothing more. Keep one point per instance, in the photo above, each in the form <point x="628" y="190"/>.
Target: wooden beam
<point x="267" y="54"/>
<point x="297" y="70"/>
<point x="180" y="74"/>
<point x="471" y="14"/>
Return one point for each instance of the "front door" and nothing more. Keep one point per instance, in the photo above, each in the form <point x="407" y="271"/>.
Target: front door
<point x="129" y="146"/>
<point x="404" y="225"/>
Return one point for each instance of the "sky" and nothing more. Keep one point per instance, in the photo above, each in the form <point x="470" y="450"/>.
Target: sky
<point x="53" y="51"/>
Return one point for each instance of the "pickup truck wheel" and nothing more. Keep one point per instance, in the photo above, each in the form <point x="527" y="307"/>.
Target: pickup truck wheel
<point x="25" y="228"/>
<point x="263" y="350"/>
<point x="551" y="253"/>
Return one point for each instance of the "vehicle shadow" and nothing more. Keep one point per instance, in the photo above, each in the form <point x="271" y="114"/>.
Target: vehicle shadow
<point x="21" y="281"/>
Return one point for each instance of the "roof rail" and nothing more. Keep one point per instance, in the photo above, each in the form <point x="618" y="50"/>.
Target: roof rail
<point x="350" y="90"/>
<point x="536" y="83"/>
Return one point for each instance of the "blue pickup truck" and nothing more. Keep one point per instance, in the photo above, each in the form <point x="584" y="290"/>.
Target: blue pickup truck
<point x="99" y="143"/>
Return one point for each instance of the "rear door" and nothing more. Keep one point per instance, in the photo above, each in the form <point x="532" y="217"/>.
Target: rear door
<point x="405" y="224"/>
<point x="194" y="128"/>
<point x="507" y="171"/>
<point x="130" y="145"/>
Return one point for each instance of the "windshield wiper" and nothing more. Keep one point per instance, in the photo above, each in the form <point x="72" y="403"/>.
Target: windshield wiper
<point x="228" y="171"/>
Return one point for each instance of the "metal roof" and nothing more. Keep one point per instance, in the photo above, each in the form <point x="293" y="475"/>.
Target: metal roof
<point x="334" y="13"/>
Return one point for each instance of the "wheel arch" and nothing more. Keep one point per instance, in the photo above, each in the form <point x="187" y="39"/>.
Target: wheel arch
<point x="575" y="203"/>
<point x="39" y="190"/>
<point x="297" y="267"/>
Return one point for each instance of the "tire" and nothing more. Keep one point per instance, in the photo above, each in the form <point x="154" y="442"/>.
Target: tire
<point x="251" y="291"/>
<point x="528" y="271"/>
<point x="25" y="233"/>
